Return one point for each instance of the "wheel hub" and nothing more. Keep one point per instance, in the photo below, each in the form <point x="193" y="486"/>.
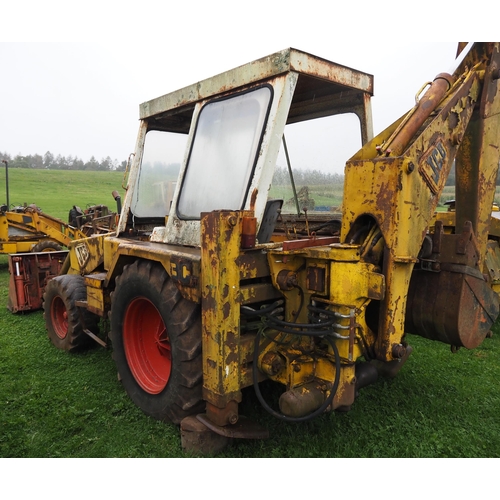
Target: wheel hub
<point x="59" y="317"/>
<point x="147" y="345"/>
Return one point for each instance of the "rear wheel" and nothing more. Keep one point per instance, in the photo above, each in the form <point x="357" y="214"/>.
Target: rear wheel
<point x="156" y="336"/>
<point x="64" y="321"/>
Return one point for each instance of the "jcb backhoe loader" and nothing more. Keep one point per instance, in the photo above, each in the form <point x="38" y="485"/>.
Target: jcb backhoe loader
<point x="217" y="289"/>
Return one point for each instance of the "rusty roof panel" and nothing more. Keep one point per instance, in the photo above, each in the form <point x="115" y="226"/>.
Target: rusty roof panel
<point x="323" y="78"/>
<point x="307" y="64"/>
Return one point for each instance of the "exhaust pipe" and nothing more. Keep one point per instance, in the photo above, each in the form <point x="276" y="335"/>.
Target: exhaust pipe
<point x="118" y="200"/>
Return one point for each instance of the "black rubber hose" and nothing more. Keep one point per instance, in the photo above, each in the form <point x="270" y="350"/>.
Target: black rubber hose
<point x="314" y="326"/>
<point x="248" y="311"/>
<point x="315" y="413"/>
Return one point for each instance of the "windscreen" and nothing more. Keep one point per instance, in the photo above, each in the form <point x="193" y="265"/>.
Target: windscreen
<point x="309" y="173"/>
<point x="161" y="162"/>
<point x="223" y="153"/>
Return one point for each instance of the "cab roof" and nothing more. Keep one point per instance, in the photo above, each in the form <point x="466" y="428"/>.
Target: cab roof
<point x="320" y="84"/>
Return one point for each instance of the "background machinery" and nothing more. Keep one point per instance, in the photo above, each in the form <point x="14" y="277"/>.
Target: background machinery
<point x="207" y="294"/>
<point x="35" y="242"/>
<point x="26" y="228"/>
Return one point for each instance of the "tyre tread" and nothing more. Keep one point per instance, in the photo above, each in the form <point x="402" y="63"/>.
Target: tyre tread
<point x="183" y="394"/>
<point x="70" y="288"/>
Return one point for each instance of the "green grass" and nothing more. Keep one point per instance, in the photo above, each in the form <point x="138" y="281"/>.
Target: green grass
<point x="56" y="191"/>
<point x="55" y="404"/>
<point x="330" y="196"/>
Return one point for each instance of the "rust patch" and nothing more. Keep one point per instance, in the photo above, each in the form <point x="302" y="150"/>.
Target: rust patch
<point x="253" y="199"/>
<point x="453" y="120"/>
<point x="385" y="203"/>
<point x="400" y="181"/>
<point x="309" y="242"/>
<point x="316" y="279"/>
<point x="209" y="302"/>
<point x="226" y="310"/>
<point x="232" y="346"/>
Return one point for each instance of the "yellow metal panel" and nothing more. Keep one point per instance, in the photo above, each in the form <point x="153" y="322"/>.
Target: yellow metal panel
<point x="257" y="293"/>
<point x="220" y="276"/>
<point x="181" y="263"/>
<point x="392" y="313"/>
<point x="13" y="247"/>
<point x="95" y="301"/>
<point x="352" y="283"/>
<point x="95" y="280"/>
<point x="3" y="228"/>
<point x="110" y="251"/>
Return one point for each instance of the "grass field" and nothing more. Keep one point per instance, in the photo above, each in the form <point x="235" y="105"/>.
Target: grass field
<point x="55" y="404"/>
<point x="56" y="191"/>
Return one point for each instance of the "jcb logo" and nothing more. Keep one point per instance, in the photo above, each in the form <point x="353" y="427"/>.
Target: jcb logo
<point x="181" y="270"/>
<point x="432" y="164"/>
<point x="82" y="254"/>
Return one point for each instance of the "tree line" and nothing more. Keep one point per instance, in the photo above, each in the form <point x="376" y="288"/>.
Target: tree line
<point x="59" y="162"/>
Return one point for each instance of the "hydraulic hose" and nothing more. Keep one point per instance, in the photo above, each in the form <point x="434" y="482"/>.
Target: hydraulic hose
<point x="328" y="400"/>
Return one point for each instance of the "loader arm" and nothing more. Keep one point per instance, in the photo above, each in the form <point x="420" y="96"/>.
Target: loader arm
<point x="22" y="230"/>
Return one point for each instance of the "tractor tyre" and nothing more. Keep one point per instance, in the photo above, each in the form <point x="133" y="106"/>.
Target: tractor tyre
<point x="156" y="337"/>
<point x="64" y="321"/>
<point x="46" y="246"/>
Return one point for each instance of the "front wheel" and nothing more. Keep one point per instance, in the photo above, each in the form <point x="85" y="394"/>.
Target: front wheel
<point x="156" y="336"/>
<point x="64" y="321"/>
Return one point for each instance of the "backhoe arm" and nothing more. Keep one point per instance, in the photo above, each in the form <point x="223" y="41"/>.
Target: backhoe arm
<point x="394" y="184"/>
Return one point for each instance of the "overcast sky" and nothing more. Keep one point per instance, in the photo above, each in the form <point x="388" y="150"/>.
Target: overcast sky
<point x="71" y="82"/>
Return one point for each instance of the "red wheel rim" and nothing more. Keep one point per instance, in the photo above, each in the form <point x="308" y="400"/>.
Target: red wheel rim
<point x="59" y="317"/>
<point x="147" y="346"/>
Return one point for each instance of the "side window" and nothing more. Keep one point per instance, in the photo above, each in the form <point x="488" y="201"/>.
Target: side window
<point x="224" y="152"/>
<point x="317" y="152"/>
<point x="161" y="162"/>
